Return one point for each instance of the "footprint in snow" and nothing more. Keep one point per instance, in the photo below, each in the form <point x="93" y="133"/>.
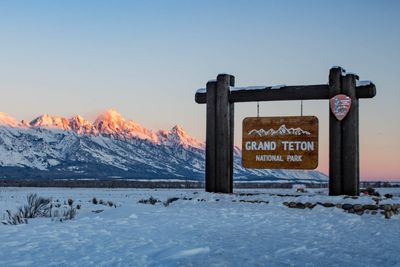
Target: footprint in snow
<point x="190" y="252"/>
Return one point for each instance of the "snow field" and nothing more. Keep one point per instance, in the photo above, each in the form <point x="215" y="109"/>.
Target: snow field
<point x="203" y="230"/>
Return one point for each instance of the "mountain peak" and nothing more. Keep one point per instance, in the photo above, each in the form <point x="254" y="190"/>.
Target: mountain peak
<point x="111" y="114"/>
<point x="7" y="120"/>
<point x="81" y="126"/>
<point x="112" y="123"/>
<point x="109" y="122"/>
<point x="179" y="136"/>
<point x="23" y="124"/>
<point x="78" y="118"/>
<point x="178" y="130"/>
<point x="52" y="122"/>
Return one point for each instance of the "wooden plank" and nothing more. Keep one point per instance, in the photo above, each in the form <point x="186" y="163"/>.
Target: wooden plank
<point x="335" y="137"/>
<point x="298" y="92"/>
<point x="268" y="94"/>
<point x="223" y="133"/>
<point x="350" y="153"/>
<point x="304" y="92"/>
<point x="210" y="137"/>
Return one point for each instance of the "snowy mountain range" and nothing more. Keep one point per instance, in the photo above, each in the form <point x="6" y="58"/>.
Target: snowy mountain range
<point x="282" y="130"/>
<point x="112" y="147"/>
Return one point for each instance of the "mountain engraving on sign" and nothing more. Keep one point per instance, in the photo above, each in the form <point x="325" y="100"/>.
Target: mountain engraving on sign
<point x="281" y="131"/>
<point x="280" y="142"/>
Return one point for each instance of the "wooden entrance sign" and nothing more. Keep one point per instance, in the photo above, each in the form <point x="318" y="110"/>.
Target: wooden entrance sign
<point x="220" y="96"/>
<point x="280" y="142"/>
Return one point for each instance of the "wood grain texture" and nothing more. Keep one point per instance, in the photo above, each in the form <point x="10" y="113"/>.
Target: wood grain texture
<point x="299" y="92"/>
<point x="211" y="137"/>
<point x="335" y="137"/>
<point x="350" y="146"/>
<point x="232" y="138"/>
<point x="223" y="133"/>
<point x="280" y="142"/>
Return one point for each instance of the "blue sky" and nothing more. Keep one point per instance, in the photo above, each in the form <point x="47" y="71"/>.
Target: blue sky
<point x="147" y="58"/>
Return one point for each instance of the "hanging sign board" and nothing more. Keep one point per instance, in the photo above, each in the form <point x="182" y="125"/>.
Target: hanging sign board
<point x="280" y="142"/>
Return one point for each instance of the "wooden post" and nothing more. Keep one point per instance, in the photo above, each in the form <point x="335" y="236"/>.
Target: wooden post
<point x="223" y="136"/>
<point x="232" y="135"/>
<point x="350" y="142"/>
<point x="335" y="137"/>
<point x="211" y="136"/>
<point x="219" y="135"/>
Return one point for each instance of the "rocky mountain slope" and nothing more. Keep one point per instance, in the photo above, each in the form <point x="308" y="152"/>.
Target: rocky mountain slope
<point x="111" y="147"/>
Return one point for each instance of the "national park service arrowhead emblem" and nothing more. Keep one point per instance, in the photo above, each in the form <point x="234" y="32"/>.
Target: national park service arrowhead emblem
<point x="340" y="106"/>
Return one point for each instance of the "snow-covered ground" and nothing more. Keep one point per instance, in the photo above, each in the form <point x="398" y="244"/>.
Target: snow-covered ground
<point x="199" y="229"/>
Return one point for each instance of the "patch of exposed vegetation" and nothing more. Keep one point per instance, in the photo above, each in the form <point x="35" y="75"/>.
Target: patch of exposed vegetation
<point x="41" y="207"/>
<point x="151" y="200"/>
<point x="103" y="202"/>
<point x="170" y="200"/>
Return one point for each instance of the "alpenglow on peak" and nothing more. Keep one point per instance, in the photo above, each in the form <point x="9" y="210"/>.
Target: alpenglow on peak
<point x="108" y="123"/>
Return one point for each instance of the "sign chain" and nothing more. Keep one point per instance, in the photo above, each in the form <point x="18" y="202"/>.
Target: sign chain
<point x="301" y="108"/>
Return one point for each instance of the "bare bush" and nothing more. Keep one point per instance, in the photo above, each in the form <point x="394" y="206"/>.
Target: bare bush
<point x="170" y="200"/>
<point x="103" y="202"/>
<point x="69" y="214"/>
<point x="40" y="207"/>
<point x="151" y="201"/>
<point x="14" y="219"/>
<point x="36" y="207"/>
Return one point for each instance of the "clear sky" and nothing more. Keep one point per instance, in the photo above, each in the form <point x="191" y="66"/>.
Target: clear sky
<point x="147" y="58"/>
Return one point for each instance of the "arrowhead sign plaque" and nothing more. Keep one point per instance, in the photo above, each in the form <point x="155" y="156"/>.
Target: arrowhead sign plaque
<point x="340" y="106"/>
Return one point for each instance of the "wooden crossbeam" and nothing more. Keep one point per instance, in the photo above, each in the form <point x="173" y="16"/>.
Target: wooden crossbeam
<point x="296" y="92"/>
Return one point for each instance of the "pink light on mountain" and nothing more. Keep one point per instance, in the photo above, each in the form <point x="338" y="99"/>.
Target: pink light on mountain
<point x="112" y="123"/>
<point x="7" y="120"/>
<point x="178" y="135"/>
<point x="51" y="122"/>
<point x="108" y="123"/>
<point x="81" y="126"/>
